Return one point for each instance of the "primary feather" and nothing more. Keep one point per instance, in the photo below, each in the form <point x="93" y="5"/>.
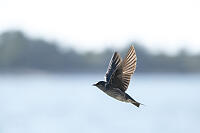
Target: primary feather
<point x="114" y="63"/>
<point x="119" y="72"/>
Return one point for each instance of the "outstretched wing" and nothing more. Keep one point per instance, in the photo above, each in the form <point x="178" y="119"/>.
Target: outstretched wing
<point x="122" y="75"/>
<point x="114" y="63"/>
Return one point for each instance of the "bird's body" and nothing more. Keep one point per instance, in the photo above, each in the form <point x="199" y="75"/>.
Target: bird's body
<point x="118" y="77"/>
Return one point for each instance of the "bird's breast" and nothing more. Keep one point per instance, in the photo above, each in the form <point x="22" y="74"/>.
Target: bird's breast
<point x="116" y="93"/>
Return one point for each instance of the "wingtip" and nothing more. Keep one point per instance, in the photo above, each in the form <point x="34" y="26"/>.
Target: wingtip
<point x="131" y="47"/>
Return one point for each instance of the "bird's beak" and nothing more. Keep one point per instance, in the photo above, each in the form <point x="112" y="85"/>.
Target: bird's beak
<point x="93" y="84"/>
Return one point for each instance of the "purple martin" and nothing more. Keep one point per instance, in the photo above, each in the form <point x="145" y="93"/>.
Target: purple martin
<point x="118" y="76"/>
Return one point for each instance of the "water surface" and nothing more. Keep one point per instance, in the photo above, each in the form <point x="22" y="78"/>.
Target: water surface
<point x="45" y="103"/>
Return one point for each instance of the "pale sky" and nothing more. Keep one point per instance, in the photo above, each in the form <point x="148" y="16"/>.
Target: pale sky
<point x="93" y="25"/>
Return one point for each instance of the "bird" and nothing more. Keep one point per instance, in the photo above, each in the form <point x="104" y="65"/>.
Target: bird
<point x="118" y="76"/>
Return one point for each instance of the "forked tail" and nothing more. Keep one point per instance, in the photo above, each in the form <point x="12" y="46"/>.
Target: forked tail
<point x="136" y="103"/>
<point x="131" y="100"/>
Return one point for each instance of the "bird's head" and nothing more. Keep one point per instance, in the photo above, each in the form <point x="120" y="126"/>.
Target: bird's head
<point x="100" y="84"/>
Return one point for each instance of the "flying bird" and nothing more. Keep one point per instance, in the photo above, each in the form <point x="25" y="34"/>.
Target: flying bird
<point x="118" y="76"/>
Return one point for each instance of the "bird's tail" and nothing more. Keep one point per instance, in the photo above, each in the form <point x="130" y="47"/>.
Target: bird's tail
<point x="131" y="100"/>
<point x="136" y="103"/>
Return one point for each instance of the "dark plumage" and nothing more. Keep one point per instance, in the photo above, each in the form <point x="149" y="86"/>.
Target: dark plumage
<point x="118" y="76"/>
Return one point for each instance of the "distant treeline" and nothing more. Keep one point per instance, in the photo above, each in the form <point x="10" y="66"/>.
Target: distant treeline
<point x="21" y="53"/>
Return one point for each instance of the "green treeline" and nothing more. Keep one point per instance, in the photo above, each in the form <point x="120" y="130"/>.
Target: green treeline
<point x="20" y="53"/>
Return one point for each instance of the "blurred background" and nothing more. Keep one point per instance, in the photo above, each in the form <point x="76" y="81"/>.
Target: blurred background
<point x="51" y="52"/>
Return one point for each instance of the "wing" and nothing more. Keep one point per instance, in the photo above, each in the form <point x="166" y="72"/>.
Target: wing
<point x="122" y="75"/>
<point x="114" y="63"/>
